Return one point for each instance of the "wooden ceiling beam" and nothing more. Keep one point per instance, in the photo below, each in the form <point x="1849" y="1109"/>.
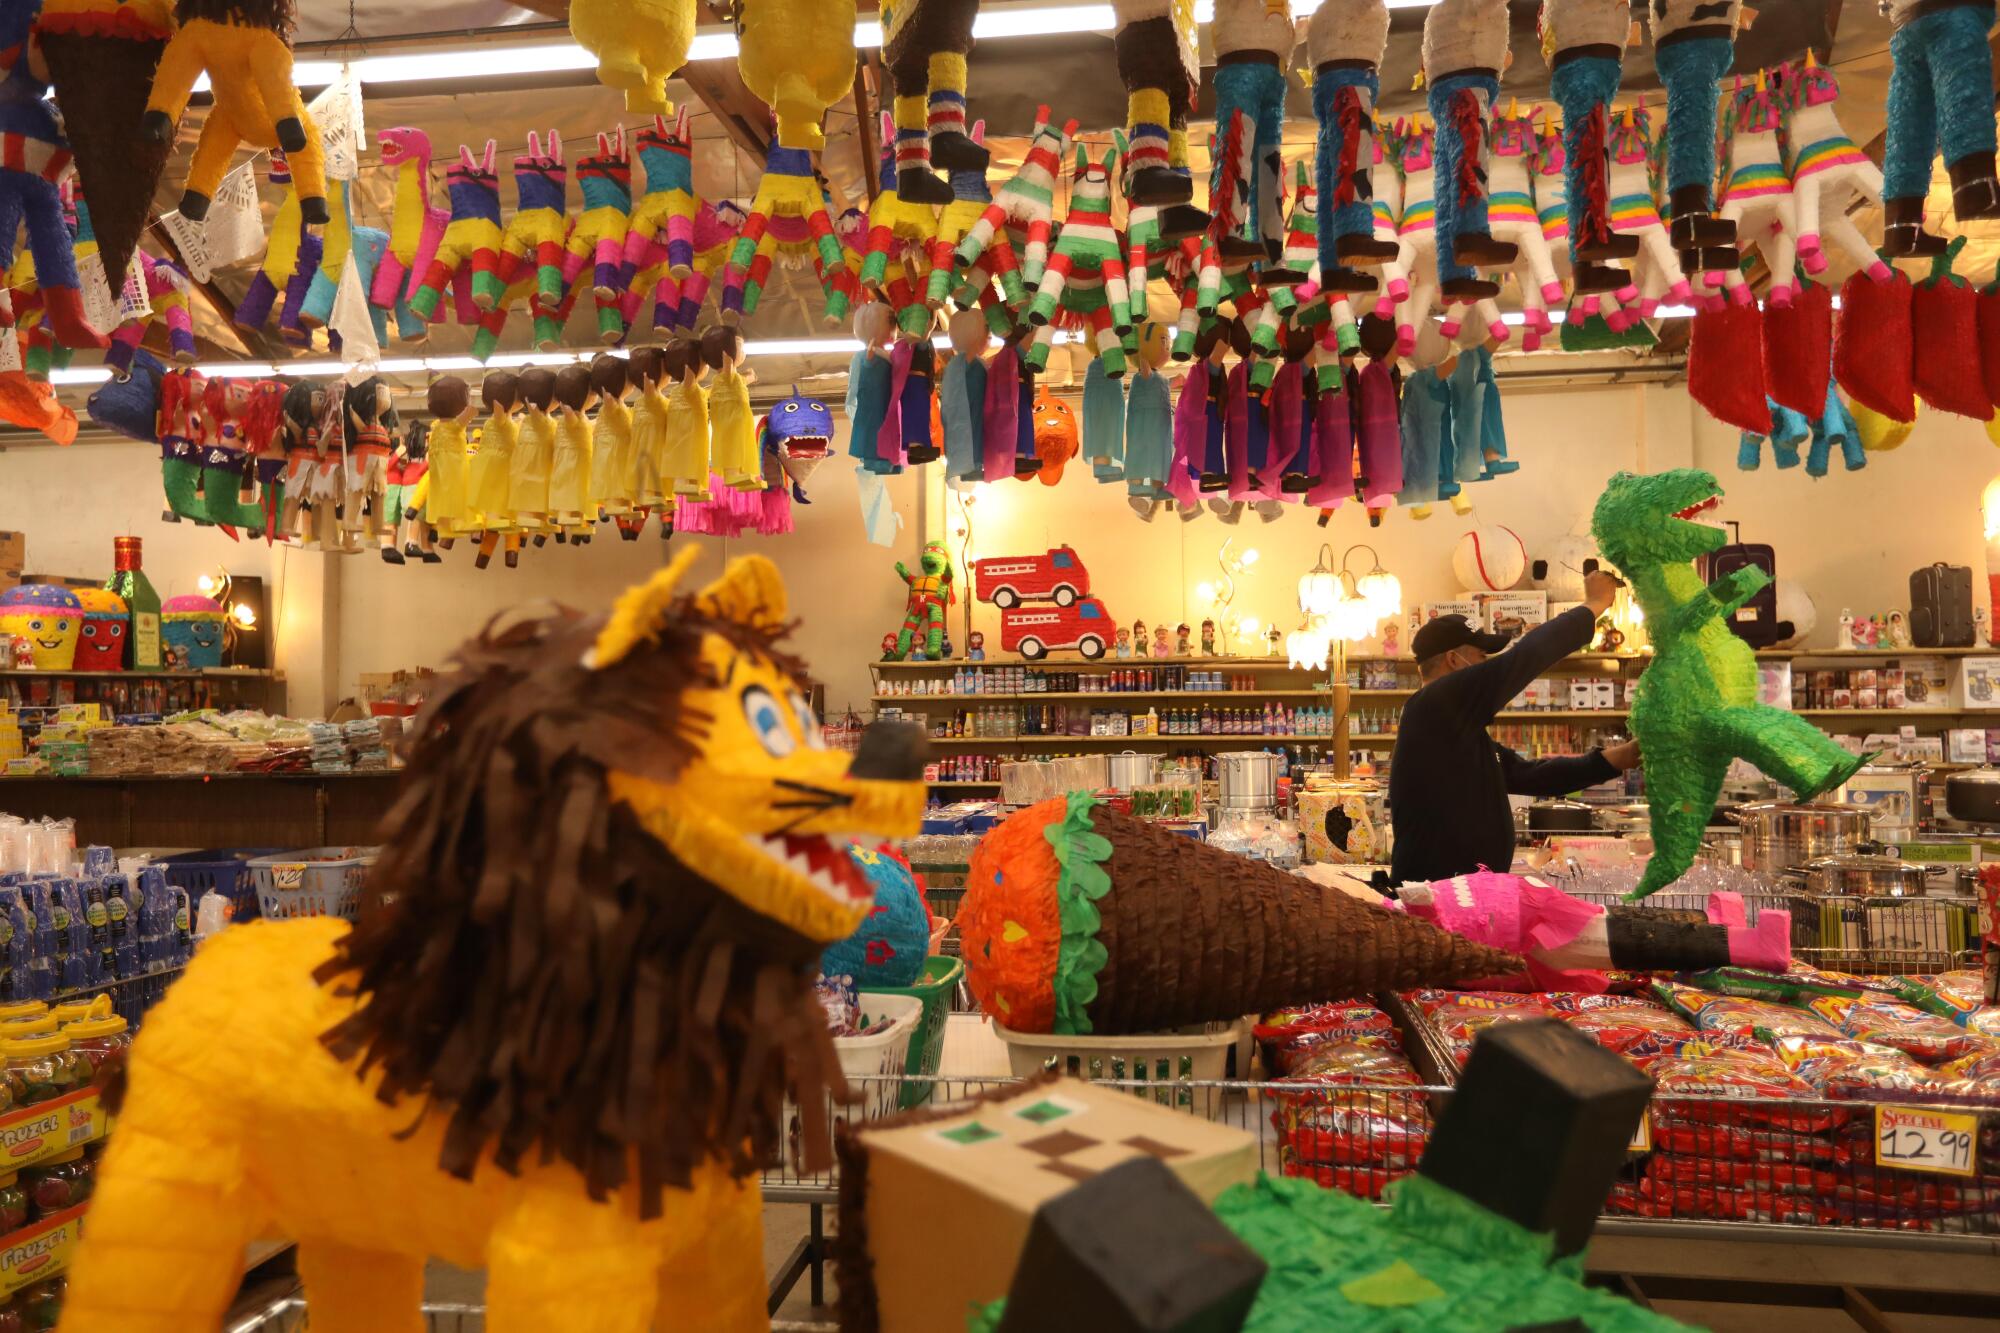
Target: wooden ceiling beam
<point x="718" y="86"/>
<point x="555" y="9"/>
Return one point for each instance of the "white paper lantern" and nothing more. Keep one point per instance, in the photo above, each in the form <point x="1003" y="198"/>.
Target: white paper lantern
<point x="1796" y="605"/>
<point x="1489" y="559"/>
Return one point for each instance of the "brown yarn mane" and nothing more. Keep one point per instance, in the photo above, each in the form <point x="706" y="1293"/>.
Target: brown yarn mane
<point x="534" y="965"/>
<point x="280" y="16"/>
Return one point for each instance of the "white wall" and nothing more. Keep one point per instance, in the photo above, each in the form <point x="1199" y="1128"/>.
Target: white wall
<point x="1853" y="538"/>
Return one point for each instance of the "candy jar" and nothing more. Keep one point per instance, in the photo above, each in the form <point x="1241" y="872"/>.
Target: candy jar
<point x="99" y="1040"/>
<point x="21" y="1009"/>
<point x="63" y="1181"/>
<point x="13" y="1207"/>
<point x="71" y="1011"/>
<point x="41" y="1305"/>
<point x="41" y="1069"/>
<point x="29" y="1025"/>
<point x="11" y="1318"/>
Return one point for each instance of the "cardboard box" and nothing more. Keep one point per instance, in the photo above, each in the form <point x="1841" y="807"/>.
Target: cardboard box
<point x="1977" y="688"/>
<point x="1466" y="606"/>
<point x="1341" y="828"/>
<point x="1512" y="612"/>
<point x="1582" y="693"/>
<point x="1604" y="692"/>
<point x="947" y="1200"/>
<point x="1965" y="745"/>
<point x="1774" y="684"/>
<point x="13" y="558"/>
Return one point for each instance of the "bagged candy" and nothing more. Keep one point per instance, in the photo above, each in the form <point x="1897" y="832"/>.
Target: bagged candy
<point x="1288" y="1035"/>
<point x="841" y="999"/>
<point x="1763" y="1019"/>
<point x="1641" y="1031"/>
<point x="1740" y="1173"/>
<point x="1924" y="1037"/>
<point x="1848" y="1069"/>
<point x="1724" y="1087"/>
<point x="1366" y="1182"/>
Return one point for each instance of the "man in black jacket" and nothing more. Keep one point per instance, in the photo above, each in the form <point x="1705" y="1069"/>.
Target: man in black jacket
<point x="1449" y="780"/>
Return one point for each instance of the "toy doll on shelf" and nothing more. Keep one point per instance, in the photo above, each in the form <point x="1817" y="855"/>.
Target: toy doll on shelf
<point x="975" y="646"/>
<point x="1161" y="648"/>
<point x="1208" y="638"/>
<point x="1139" y="638"/>
<point x="1182" y="633"/>
<point x="1124" y="648"/>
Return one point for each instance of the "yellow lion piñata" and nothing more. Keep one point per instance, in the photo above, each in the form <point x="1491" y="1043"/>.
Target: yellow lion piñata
<point x="559" y="1043"/>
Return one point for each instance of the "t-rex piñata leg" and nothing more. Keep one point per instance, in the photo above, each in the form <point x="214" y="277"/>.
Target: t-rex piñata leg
<point x="1253" y="46"/>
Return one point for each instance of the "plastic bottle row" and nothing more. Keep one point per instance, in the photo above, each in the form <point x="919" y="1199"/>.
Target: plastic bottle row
<point x="1056" y="720"/>
<point x="61" y="933"/>
<point x="1039" y="680"/>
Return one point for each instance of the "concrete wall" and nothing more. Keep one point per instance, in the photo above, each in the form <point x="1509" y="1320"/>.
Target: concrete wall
<point x="1851" y="538"/>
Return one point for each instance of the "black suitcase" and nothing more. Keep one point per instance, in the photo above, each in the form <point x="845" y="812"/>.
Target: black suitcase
<point x="1756" y="622"/>
<point x="1941" y="606"/>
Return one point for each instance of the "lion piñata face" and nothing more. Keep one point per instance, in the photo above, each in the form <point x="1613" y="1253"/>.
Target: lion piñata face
<point x="762" y="809"/>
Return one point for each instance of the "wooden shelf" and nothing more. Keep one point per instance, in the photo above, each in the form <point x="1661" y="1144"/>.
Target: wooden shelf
<point x="1109" y="696"/>
<point x="934" y="785"/>
<point x="206" y="673"/>
<point x="1560" y="714"/>
<point x="1106" y="663"/>
<point x="1060" y="742"/>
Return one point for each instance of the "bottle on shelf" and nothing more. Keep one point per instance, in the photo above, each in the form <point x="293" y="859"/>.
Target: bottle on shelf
<point x="128" y="580"/>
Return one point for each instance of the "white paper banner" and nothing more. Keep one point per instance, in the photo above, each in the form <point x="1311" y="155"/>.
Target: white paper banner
<point x="351" y="320"/>
<point x="133" y="302"/>
<point x="235" y="228"/>
<point x="337" y="113"/>
<point x="10" y="350"/>
<point x="191" y="239"/>
<point x="100" y="308"/>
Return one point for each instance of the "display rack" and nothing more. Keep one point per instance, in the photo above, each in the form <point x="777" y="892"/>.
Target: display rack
<point x="226" y="687"/>
<point x="1273" y="680"/>
<point x="209" y="809"/>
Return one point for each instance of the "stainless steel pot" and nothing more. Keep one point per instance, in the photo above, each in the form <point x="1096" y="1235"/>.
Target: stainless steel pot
<point x="1865" y="877"/>
<point x="1130" y="770"/>
<point x="1556" y="816"/>
<point x="1778" y="837"/>
<point x="1248" y="780"/>
<point x="1973" y="796"/>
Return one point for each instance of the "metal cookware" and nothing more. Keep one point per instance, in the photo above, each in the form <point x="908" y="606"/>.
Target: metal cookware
<point x="1778" y="837"/>
<point x="1249" y="780"/>
<point x="1973" y="796"/>
<point x="1556" y="816"/>
<point x="1130" y="770"/>
<point x="1865" y="877"/>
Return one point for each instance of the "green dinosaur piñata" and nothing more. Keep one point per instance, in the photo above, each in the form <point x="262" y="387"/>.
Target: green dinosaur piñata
<point x="1697" y="706"/>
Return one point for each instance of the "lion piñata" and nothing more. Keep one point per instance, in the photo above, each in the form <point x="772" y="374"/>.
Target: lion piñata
<point x="559" y="1043"/>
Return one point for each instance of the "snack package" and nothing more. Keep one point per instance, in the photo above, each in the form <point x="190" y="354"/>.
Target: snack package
<point x="1460" y="1016"/>
<point x="1785" y="1177"/>
<point x="1848" y="1069"/>
<point x="1342" y="1114"/>
<point x="1653" y="1198"/>
<point x="1287" y="1036"/>
<point x="841" y="998"/>
<point x="1926" y="1038"/>
<point x="1703" y="1084"/>
<point x="1766" y="1020"/>
<point x="1641" y="1030"/>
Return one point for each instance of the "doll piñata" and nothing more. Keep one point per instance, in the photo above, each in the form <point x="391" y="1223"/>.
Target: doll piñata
<point x="733" y="453"/>
<point x="962" y="397"/>
<point x="931" y="592"/>
<point x="788" y="189"/>
<point x="650" y="489"/>
<point x="1155" y="42"/>
<point x="569" y="465"/>
<point x="36" y="159"/>
<point x="1055" y="895"/>
<point x="1345" y="40"/>
<point x="1756" y="192"/>
<point x="450" y="507"/>
<point x="612" y="457"/>
<point x="371" y="420"/>
<point x="1253" y="51"/>
<point x="664" y="214"/>
<point x="1584" y="41"/>
<point x="798" y="56"/>
<point x="245" y="47"/>
<point x="684" y="738"/>
<point x="686" y="437"/>
<point x="1699" y="708"/>
<point x="167" y="288"/>
<point x="1027" y="201"/>
<point x="1694" y="44"/>
<point x="415" y="229"/>
<point x="1828" y="170"/>
<point x="924" y="44"/>
<point x="101" y="57"/>
<point x="468" y="255"/>
<point x="639" y="45"/>
<point x="534" y="453"/>
<point x="492" y="467"/>
<point x="1940" y="99"/>
<point x="1465" y="48"/>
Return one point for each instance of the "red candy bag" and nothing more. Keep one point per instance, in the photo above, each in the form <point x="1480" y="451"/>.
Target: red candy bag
<point x="1798" y="350"/>
<point x="1726" y="367"/>
<point x="1872" y="345"/>
<point x="1944" y="341"/>
<point x="1989" y="342"/>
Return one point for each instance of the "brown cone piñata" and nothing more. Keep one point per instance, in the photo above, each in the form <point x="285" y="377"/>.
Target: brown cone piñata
<point x="1079" y="919"/>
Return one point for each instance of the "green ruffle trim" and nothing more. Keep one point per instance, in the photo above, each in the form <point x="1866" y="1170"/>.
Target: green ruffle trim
<point x="1081" y="852"/>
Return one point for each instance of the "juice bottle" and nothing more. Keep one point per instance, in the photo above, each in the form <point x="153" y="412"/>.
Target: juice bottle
<point x="128" y="580"/>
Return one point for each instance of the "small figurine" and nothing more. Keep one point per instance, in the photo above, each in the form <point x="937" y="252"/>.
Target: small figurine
<point x="1208" y="638"/>
<point x="1276" y="641"/>
<point x="1392" y="643"/>
<point x="1161" y="648"/>
<point x="975" y="647"/>
<point x="1124" y="648"/>
<point x="1182" y="634"/>
<point x="1139" y="639"/>
<point x="944" y="652"/>
<point x="1846" y="639"/>
<point x="1979" y="634"/>
<point x="889" y="653"/>
<point x="916" y="655"/>
<point x="1881" y="632"/>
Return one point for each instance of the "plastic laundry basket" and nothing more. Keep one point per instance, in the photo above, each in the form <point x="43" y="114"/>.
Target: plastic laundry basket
<point x="935" y="989"/>
<point x="877" y="1057"/>
<point x="223" y="870"/>
<point x="318" y="881"/>
<point x="1166" y="1061"/>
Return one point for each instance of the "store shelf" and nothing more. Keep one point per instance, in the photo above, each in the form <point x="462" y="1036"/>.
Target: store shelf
<point x="1102" y="664"/>
<point x="1381" y="694"/>
<point x="1101" y="696"/>
<point x="1560" y="714"/>
<point x="206" y="673"/>
<point x="1064" y="742"/>
<point x="1887" y="712"/>
<point x="210" y="809"/>
<point x="934" y="785"/>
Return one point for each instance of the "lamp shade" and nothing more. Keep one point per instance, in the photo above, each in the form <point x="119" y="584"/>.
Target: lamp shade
<point x="1384" y="592"/>
<point x="1319" y="590"/>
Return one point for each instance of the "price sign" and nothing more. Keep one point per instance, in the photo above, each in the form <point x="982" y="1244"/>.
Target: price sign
<point x="1915" y="1140"/>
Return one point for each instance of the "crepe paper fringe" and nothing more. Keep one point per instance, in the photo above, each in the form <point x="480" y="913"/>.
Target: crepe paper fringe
<point x="1467" y="119"/>
<point x="1798" y="350"/>
<point x="1081" y="852"/>
<point x="1872" y="345"/>
<point x="1726" y="367"/>
<point x="1944" y="341"/>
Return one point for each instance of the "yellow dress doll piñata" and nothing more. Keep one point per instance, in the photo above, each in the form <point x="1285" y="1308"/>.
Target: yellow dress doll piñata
<point x="554" y="1048"/>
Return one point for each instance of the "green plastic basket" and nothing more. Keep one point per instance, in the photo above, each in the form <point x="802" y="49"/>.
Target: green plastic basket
<point x="941" y="978"/>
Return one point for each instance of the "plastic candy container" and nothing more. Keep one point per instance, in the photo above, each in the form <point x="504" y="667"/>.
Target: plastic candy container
<point x="11" y="1318"/>
<point x="64" y="1181"/>
<point x="41" y="1069"/>
<point x="21" y="1009"/>
<point x="71" y="1011"/>
<point x="13" y="1207"/>
<point x="100" y="1039"/>
<point x="29" y="1025"/>
<point x="41" y="1305"/>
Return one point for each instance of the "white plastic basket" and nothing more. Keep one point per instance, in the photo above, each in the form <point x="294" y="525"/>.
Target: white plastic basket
<point x="1161" y="1060"/>
<point x="880" y="1057"/>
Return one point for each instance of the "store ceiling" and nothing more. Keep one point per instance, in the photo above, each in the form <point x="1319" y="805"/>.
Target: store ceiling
<point x="1008" y="79"/>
